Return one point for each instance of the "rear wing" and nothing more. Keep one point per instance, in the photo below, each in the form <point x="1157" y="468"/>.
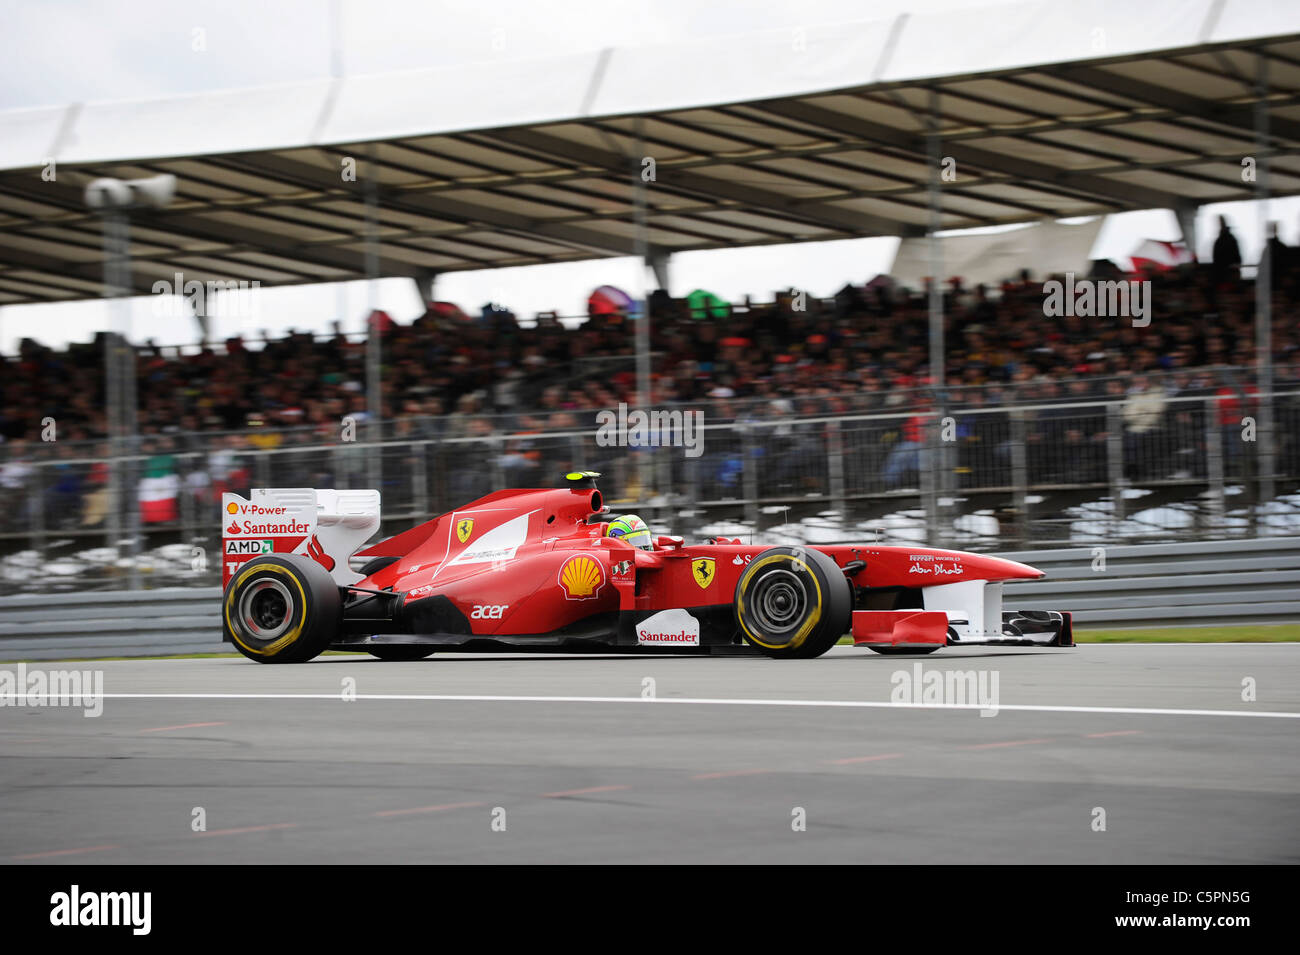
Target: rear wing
<point x="326" y="525"/>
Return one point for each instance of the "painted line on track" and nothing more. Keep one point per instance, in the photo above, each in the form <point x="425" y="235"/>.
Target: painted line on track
<point x="63" y="852"/>
<point x="583" y="792"/>
<point x="423" y="809"/>
<point x="1010" y="742"/>
<point x="728" y="774"/>
<point x="183" y="726"/>
<point x="701" y="701"/>
<point x="244" y="829"/>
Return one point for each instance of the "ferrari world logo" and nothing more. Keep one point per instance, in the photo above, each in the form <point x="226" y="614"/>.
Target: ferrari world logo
<point x="464" y="527"/>
<point x="581" y="577"/>
<point x="702" y="569"/>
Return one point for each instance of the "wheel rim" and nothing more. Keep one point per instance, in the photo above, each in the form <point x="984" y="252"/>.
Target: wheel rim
<point x="266" y="609"/>
<point x="779" y="602"/>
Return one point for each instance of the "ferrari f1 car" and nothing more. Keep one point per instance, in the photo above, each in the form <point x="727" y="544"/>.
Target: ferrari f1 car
<point x="536" y="570"/>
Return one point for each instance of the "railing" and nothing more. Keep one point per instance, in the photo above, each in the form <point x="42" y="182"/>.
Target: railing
<point x="1166" y="585"/>
<point x="1031" y="475"/>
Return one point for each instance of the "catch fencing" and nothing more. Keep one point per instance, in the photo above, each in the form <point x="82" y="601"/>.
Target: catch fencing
<point x="1135" y="469"/>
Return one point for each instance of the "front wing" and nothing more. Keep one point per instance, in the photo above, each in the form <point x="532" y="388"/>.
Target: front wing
<point x="926" y="629"/>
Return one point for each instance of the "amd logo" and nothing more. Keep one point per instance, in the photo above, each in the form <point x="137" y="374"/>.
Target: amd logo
<point x="488" y="612"/>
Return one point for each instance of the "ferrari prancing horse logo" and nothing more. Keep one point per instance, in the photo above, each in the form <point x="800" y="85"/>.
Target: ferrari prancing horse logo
<point x="702" y="568"/>
<point x="464" y="527"/>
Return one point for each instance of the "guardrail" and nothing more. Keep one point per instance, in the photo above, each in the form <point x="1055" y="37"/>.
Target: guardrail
<point x="1167" y="585"/>
<point x="120" y="623"/>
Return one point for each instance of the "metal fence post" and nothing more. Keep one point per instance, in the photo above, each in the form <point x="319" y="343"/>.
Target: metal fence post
<point x="36" y="509"/>
<point x="928" y="472"/>
<point x="134" y="466"/>
<point x="1214" y="466"/>
<point x="690" y="491"/>
<point x="1020" y="476"/>
<point x="420" y="479"/>
<point x="835" y="470"/>
<point x="749" y="477"/>
<point x="187" y="464"/>
<point x="1115" y="462"/>
<point x="262" y="469"/>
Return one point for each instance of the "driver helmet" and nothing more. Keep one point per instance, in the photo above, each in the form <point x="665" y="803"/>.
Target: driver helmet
<point x="632" y="529"/>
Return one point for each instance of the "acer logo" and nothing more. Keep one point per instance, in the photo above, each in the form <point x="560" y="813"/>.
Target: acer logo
<point x="317" y="553"/>
<point x="488" y="612"/>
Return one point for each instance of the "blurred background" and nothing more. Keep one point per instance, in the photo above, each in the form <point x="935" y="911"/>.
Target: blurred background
<point x="438" y="261"/>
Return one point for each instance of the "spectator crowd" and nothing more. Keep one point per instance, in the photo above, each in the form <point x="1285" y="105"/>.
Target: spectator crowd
<point x="863" y="351"/>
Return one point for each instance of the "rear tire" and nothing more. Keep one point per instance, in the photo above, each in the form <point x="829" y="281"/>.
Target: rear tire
<point x="793" y="602"/>
<point x="398" y="652"/>
<point x="284" y="608"/>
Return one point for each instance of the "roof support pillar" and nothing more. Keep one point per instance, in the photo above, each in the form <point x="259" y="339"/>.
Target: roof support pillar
<point x="120" y="400"/>
<point x="1186" y="215"/>
<point x="425" y="285"/>
<point x="644" y="400"/>
<point x="374" y="380"/>
<point x="202" y="319"/>
<point x="657" y="260"/>
<point x="1263" y="295"/>
<point x="936" y="501"/>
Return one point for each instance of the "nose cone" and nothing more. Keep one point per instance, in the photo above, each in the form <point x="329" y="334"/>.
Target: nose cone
<point x="1015" y="570"/>
<point x="997" y="568"/>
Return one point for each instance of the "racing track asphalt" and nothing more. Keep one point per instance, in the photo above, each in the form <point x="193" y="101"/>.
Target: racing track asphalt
<point x="290" y="778"/>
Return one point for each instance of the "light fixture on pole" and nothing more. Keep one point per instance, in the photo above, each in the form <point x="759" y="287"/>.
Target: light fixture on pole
<point x="114" y="199"/>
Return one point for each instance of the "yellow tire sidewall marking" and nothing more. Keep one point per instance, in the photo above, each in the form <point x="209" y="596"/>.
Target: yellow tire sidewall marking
<point x="750" y="573"/>
<point x="281" y="642"/>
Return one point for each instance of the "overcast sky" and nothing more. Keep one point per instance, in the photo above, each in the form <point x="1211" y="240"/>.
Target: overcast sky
<point x="55" y="52"/>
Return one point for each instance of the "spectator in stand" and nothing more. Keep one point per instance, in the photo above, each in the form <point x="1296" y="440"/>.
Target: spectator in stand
<point x="1227" y="254"/>
<point x="904" y="461"/>
<point x="1143" y="415"/>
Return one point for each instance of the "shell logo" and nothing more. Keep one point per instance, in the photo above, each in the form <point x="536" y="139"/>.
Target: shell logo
<point x="232" y="508"/>
<point x="581" y="577"/>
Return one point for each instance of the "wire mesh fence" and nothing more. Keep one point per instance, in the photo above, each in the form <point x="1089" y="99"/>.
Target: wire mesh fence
<point x="962" y="471"/>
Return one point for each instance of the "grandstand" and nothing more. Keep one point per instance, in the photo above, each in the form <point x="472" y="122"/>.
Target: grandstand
<point x="824" y="417"/>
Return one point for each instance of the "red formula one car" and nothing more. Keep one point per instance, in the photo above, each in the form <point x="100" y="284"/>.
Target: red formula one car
<point x="536" y="570"/>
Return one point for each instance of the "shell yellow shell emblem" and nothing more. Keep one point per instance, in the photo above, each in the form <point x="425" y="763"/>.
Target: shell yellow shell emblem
<point x="581" y="577"/>
<point x="464" y="527"/>
<point x="702" y="570"/>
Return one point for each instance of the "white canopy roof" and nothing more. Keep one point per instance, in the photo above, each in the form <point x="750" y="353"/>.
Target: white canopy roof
<point x="1047" y="109"/>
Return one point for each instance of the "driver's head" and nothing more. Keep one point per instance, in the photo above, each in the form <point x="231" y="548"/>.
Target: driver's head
<point x="632" y="529"/>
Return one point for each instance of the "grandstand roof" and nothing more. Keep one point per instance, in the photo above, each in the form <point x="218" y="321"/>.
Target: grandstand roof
<point x="1048" y="110"/>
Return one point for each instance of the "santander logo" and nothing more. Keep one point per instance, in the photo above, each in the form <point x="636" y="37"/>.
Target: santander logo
<point x="669" y="628"/>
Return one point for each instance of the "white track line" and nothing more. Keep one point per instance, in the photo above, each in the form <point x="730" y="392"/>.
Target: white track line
<point x="693" y="701"/>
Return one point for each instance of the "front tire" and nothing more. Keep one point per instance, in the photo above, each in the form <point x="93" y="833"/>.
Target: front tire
<point x="284" y="608"/>
<point x="793" y="602"/>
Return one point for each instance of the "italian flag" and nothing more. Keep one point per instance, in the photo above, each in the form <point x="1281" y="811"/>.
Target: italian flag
<point x="158" y="498"/>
